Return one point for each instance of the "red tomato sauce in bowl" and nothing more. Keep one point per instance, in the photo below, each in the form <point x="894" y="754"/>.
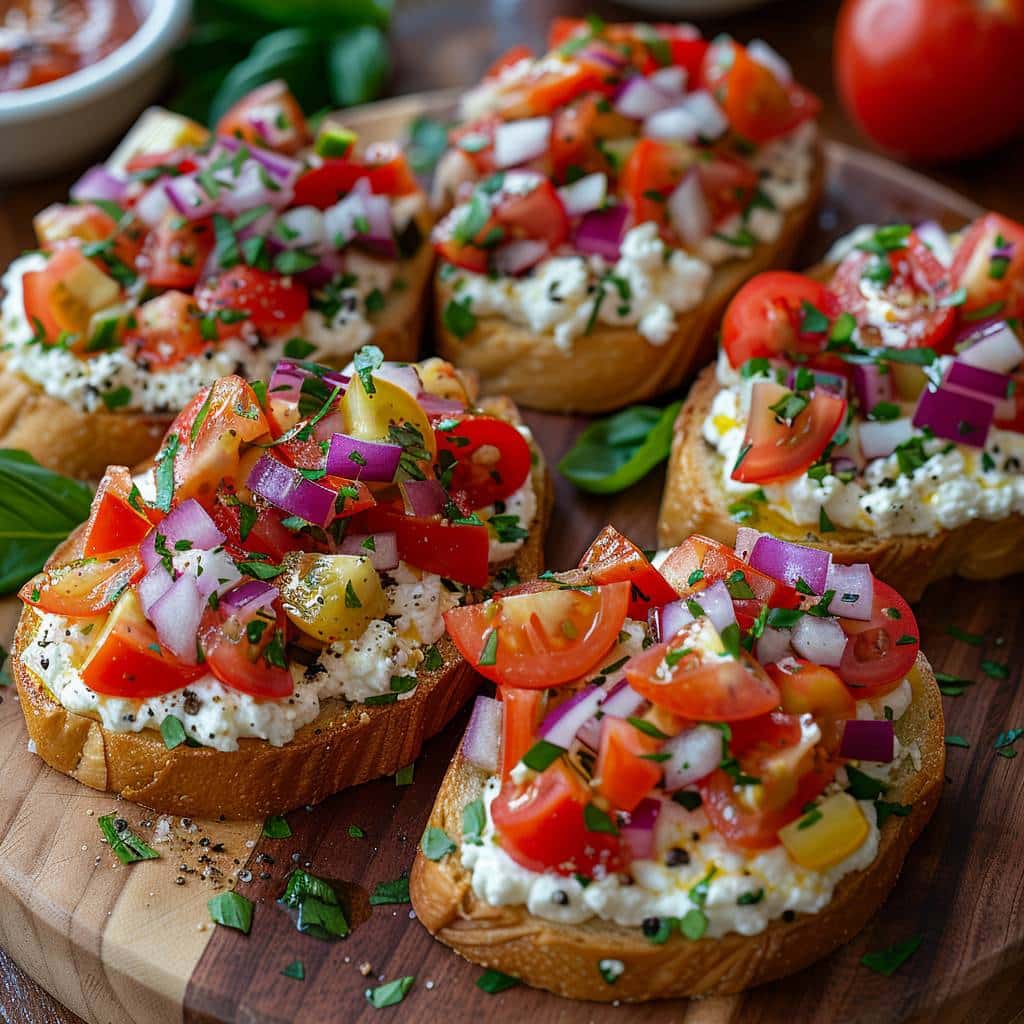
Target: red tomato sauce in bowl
<point x="44" y="40"/>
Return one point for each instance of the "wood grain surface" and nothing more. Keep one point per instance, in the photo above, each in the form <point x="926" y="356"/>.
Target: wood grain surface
<point x="961" y="889"/>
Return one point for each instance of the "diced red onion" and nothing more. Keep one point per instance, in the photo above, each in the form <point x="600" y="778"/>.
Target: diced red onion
<point x="383" y="554"/>
<point x="214" y="570"/>
<point x="99" y="182"/>
<point x="377" y="210"/>
<point x="639" y="98"/>
<point x="638" y="831"/>
<point x="603" y="55"/>
<point x="250" y="189"/>
<point x="189" y="521"/>
<point x="151" y="206"/>
<point x="880" y="439"/>
<point x="668" y="620"/>
<point x="676" y="123"/>
<point x="868" y="740"/>
<point x="589" y="193"/>
<point x="717" y="604"/>
<point x="773" y="645"/>
<point x="481" y="744"/>
<point x="176" y="616"/>
<point x="695" y="754"/>
<point x="994" y="387"/>
<point x="189" y="198"/>
<point x="789" y="562"/>
<point x="434" y="405"/>
<point x="995" y="347"/>
<point x="934" y="236"/>
<point x="710" y="117"/>
<point x="600" y="232"/>
<point x="249" y="598"/>
<point x="854" y="587"/>
<point x="746" y="538"/>
<point x="622" y="701"/>
<point x="287" y="378"/>
<point x="957" y="417"/>
<point x="286" y="488"/>
<point x="283" y="169"/>
<point x="516" y="142"/>
<point x="819" y="640"/>
<point x="153" y="586"/>
<point x="834" y="383"/>
<point x="374" y="460"/>
<point x="671" y="80"/>
<point x="402" y="375"/>
<point x="518" y="256"/>
<point x="760" y="52"/>
<point x="561" y="725"/>
<point x="303" y="228"/>
<point x="339" y="221"/>
<point x="423" y="497"/>
<point x="688" y="209"/>
<point x="872" y="385"/>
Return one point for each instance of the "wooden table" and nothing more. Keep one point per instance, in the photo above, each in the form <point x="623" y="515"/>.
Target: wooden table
<point x="443" y="43"/>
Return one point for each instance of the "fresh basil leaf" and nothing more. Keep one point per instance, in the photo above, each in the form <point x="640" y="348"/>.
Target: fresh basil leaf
<point x="322" y="920"/>
<point x="38" y="509"/>
<point x="391" y="993"/>
<point x="436" y="843"/>
<point x="296" y="969"/>
<point x="277" y="827"/>
<point x="232" y="910"/>
<point x="428" y="140"/>
<point x="614" y="453"/>
<point x="390" y="892"/>
<point x="887" y="961"/>
<point x="359" y="63"/>
<point x="123" y="842"/>
<point x="492" y="982"/>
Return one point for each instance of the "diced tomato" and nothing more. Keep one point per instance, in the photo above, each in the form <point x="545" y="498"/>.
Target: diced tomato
<point x="728" y="185"/>
<point x="86" y="586"/>
<point x="540" y="639"/>
<point x="176" y="161"/>
<point x="613" y="558"/>
<point x="210" y="432"/>
<point x="900" y="289"/>
<point x="263" y="532"/>
<point x="807" y="688"/>
<point x="246" y="298"/>
<point x="520" y="716"/>
<point x="166" y="331"/>
<point x="563" y="29"/>
<point x="87" y="222"/>
<point x="550" y="88"/>
<point x="475" y="141"/>
<point x="457" y="552"/>
<point x="507" y="59"/>
<point x="881" y="651"/>
<point x="623" y="776"/>
<point x="269" y="116"/>
<point x="247" y="652"/>
<point x="113" y="526"/>
<point x="989" y="264"/>
<point x="491" y="458"/>
<point x="176" y="251"/>
<point x="1014" y="421"/>
<point x="128" y="660"/>
<point x="383" y="165"/>
<point x="685" y="677"/>
<point x="765" y="317"/>
<point x="541" y="825"/>
<point x="654" y="168"/>
<point x="700" y="561"/>
<point x="577" y="134"/>
<point x="777" y="449"/>
<point x="759" y="106"/>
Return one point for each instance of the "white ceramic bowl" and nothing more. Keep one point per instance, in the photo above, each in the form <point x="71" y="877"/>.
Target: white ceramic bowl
<point x="51" y="127"/>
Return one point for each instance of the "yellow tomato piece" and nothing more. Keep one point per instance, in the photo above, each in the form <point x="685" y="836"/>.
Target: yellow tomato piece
<point x="331" y="597"/>
<point x="371" y="416"/>
<point x="826" y="835"/>
<point x="81" y="293"/>
<point x="440" y="378"/>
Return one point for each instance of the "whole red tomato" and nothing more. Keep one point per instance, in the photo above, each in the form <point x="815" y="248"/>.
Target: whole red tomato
<point x="932" y="79"/>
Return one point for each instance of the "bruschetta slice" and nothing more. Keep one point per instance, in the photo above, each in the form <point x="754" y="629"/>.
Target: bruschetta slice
<point x="696" y="780"/>
<point x="872" y="408"/>
<point x="257" y="622"/>
<point x="607" y="199"/>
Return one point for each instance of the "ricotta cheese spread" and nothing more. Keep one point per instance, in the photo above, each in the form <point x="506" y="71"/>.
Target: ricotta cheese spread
<point x="768" y="882"/>
<point x="955" y="484"/>
<point x="651" y="283"/>
<point x="218" y="716"/>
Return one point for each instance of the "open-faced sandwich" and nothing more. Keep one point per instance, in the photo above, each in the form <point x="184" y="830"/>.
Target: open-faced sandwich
<point x="695" y="780"/>
<point x="873" y="408"/>
<point x="609" y="197"/>
<point x="192" y="255"/>
<point x="257" y="622"/>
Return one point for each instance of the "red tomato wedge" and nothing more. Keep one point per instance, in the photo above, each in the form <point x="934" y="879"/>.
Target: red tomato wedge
<point x="507" y="59"/>
<point x="900" y="290"/>
<point x="541" y="825"/>
<point x="654" y="169"/>
<point x="881" y="651"/>
<point x="166" y="331"/>
<point x="113" y="526"/>
<point x="765" y="317"/>
<point x="777" y="449"/>
<point x="247" y="653"/>
<point x="807" y="688"/>
<point x="383" y="165"/>
<point x="540" y="639"/>
<point x="49" y="302"/>
<point x="700" y="561"/>
<point x="520" y="716"/>
<point x="245" y="298"/>
<point x="688" y="677"/>
<point x="86" y="586"/>
<point x="613" y="558"/>
<point x="127" y="659"/>
<point x="269" y="116"/>
<point x="491" y="458"/>
<point x="623" y="776"/>
<point x="176" y="251"/>
<point x="989" y="265"/>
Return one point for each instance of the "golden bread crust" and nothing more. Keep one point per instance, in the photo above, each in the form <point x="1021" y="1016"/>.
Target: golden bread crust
<point x="564" y="958"/>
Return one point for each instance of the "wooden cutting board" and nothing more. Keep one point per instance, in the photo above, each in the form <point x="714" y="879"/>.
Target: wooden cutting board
<point x="134" y="944"/>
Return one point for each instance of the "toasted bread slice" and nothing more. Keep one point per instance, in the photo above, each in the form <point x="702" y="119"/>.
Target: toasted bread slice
<point x="695" y="502"/>
<point x="82" y="444"/>
<point x="345" y="745"/>
<point x="611" y="366"/>
<point x="564" y="958"/>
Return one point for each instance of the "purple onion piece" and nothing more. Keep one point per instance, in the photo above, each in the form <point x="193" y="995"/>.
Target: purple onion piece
<point x="368" y="460"/>
<point x="481" y="744"/>
<point x="789" y="562"/>
<point x="868" y="740"/>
